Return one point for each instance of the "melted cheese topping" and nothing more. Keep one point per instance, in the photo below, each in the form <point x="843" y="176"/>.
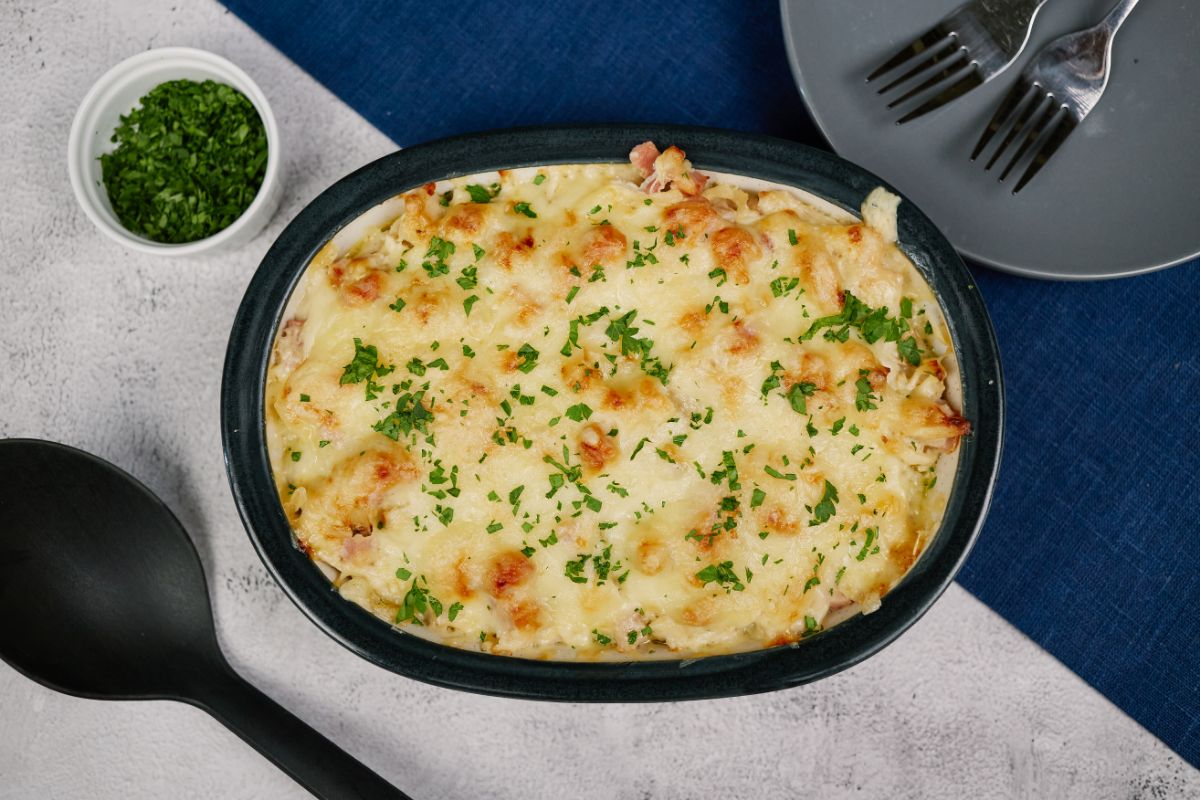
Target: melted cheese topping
<point x="583" y="421"/>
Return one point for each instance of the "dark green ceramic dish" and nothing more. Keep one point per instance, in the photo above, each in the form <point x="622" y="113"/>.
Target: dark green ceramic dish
<point x="816" y="171"/>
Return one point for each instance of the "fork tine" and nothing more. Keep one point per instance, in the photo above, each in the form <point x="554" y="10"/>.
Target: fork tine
<point x="1018" y="125"/>
<point x="928" y="58"/>
<point x="1063" y="126"/>
<point x="964" y="81"/>
<point x="913" y="49"/>
<point x="1037" y="125"/>
<point x="1020" y="92"/>
<point x="948" y="65"/>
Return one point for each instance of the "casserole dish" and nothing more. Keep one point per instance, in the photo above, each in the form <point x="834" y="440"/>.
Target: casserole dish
<point x="753" y="157"/>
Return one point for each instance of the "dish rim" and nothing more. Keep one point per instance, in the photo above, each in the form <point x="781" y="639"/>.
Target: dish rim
<point x="842" y="646"/>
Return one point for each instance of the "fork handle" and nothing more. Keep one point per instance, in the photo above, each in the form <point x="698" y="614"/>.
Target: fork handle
<point x="1026" y="8"/>
<point x="1117" y="16"/>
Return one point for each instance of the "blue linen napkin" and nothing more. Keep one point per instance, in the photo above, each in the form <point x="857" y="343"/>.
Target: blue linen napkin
<point x="1091" y="544"/>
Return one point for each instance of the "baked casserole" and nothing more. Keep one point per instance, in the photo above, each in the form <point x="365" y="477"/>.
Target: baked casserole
<point x="614" y="411"/>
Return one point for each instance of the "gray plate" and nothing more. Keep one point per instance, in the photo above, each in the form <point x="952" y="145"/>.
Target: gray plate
<point x="1119" y="198"/>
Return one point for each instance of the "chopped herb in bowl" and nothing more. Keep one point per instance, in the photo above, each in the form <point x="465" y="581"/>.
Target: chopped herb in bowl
<point x="189" y="161"/>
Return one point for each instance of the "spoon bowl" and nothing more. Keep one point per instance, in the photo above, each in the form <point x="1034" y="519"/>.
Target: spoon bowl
<point x="88" y="606"/>
<point x="102" y="595"/>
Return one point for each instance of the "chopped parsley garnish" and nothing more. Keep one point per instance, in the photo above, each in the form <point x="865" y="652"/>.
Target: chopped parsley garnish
<point x="866" y="548"/>
<point x="470" y="301"/>
<point x="364" y="364"/>
<point x="601" y="639"/>
<point x="190" y="158"/>
<point x="824" y="510"/>
<point x="757" y="497"/>
<point x="538" y="179"/>
<point x="416" y="602"/>
<point x="482" y="194"/>
<point x="792" y="237"/>
<point x="622" y="330"/>
<point x="782" y="285"/>
<point x="774" y="473"/>
<point x="796" y="395"/>
<point x="864" y="400"/>
<point x="435" y="257"/>
<point x="452" y="612"/>
<point x="523" y="208"/>
<point x="529" y="358"/>
<point x="719" y="276"/>
<point x="909" y="350"/>
<point x="398" y="306"/>
<point x="408" y="414"/>
<point x="873" y="324"/>
<point x="469" y="278"/>
<point x="579" y="412"/>
<point x="722" y="574"/>
<point x="773" y="380"/>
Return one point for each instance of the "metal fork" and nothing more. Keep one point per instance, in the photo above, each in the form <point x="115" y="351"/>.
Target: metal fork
<point x="969" y="47"/>
<point x="1053" y="94"/>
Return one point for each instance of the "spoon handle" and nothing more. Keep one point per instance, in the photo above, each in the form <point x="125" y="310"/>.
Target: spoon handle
<point x="313" y="761"/>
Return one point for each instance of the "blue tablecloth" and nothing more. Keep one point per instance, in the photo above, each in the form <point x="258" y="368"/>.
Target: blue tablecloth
<point x="1092" y="542"/>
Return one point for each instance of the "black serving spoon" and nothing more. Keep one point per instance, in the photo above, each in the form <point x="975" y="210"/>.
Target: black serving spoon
<point x="102" y="595"/>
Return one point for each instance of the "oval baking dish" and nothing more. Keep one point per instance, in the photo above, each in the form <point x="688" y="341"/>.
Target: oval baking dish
<point x="753" y="157"/>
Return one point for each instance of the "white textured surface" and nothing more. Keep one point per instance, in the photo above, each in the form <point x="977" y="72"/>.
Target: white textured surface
<point x="120" y="354"/>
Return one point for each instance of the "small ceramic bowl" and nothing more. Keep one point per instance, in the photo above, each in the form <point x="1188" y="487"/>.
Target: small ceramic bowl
<point x="118" y="92"/>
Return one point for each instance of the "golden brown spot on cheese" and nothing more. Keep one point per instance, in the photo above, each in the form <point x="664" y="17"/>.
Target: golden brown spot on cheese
<point x="462" y="577"/>
<point x="510" y="360"/>
<point x="617" y="399"/>
<point x="734" y="248"/>
<point x="596" y="448"/>
<point x="525" y="614"/>
<point x="744" y="339"/>
<point x="699" y="613"/>
<point x="466" y="219"/>
<point x="579" y="375"/>
<point x="781" y="520"/>
<point x="509" y="249"/>
<point x="528" y="312"/>
<point x="363" y="291"/>
<point x="602" y="244"/>
<point x="415" y="219"/>
<point x="508" y="571"/>
<point x="652" y="556"/>
<point x="695" y="216"/>
<point x="694" y="321"/>
<point x="818" y="275"/>
<point x="854" y="233"/>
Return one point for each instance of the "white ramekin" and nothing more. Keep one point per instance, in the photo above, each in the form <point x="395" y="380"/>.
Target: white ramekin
<point x="118" y="92"/>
